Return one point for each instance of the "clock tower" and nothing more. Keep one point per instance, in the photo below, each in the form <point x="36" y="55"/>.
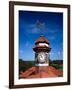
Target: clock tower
<point x="41" y="68"/>
<point x="42" y="49"/>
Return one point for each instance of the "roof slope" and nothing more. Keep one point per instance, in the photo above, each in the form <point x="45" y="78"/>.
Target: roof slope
<point x="42" y="39"/>
<point x="48" y="71"/>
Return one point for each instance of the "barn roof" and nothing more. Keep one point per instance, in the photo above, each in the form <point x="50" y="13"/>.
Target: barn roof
<point x="48" y="71"/>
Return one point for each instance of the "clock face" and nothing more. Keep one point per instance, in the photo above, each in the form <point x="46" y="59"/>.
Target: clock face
<point x="41" y="57"/>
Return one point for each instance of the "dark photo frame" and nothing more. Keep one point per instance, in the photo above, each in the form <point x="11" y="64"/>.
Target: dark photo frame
<point x="14" y="25"/>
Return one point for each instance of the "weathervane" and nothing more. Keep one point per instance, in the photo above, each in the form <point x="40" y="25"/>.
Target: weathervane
<point x="40" y="26"/>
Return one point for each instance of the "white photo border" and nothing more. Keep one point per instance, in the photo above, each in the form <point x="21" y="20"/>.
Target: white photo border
<point x="16" y="42"/>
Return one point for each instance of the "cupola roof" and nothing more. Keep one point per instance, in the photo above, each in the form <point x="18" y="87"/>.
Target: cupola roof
<point x="41" y="39"/>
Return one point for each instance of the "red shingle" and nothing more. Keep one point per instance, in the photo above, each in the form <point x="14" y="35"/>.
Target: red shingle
<point x="35" y="72"/>
<point x="41" y="40"/>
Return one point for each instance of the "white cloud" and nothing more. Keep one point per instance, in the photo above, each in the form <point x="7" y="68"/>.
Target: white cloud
<point x="20" y="51"/>
<point x="27" y="44"/>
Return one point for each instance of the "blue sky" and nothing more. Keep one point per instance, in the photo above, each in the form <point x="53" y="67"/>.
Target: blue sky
<point x="29" y="32"/>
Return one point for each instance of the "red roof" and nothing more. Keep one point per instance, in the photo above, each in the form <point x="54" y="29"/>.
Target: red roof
<point x="44" y="72"/>
<point x="42" y="39"/>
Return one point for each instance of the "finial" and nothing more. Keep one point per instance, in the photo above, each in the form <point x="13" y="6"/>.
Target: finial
<point x="42" y="35"/>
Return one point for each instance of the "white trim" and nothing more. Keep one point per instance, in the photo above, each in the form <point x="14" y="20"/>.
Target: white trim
<point x="16" y="40"/>
<point x="45" y="64"/>
<point x="43" y="44"/>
